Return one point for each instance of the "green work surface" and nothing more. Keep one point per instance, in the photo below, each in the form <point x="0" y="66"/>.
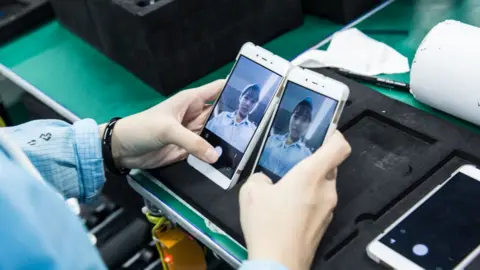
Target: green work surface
<point x="88" y="84"/>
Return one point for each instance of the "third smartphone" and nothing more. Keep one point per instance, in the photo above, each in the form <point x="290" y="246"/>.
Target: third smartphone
<point x="308" y="112"/>
<point x="440" y="232"/>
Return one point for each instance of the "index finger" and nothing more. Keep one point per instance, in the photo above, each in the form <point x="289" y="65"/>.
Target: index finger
<point x="327" y="158"/>
<point x="209" y="92"/>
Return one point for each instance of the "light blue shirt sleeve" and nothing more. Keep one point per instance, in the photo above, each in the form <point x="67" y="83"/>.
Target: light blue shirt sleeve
<point x="69" y="157"/>
<point x="263" y="265"/>
<point x="37" y="230"/>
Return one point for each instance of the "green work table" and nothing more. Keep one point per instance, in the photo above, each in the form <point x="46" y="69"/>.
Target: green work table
<point x="89" y="85"/>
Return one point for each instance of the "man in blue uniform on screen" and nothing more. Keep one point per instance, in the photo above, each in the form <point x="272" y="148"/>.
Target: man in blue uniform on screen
<point x="283" y="152"/>
<point x="235" y="127"/>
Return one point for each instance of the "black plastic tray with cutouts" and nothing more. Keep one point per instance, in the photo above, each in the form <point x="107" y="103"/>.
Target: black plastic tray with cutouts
<point x="19" y="16"/>
<point x="400" y="153"/>
<point x="171" y="43"/>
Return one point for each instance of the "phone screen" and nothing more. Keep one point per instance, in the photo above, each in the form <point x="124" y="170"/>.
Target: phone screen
<point x="299" y="129"/>
<point x="444" y="230"/>
<point x="238" y="112"/>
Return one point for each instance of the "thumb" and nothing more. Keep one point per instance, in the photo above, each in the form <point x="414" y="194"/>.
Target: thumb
<point x="192" y="142"/>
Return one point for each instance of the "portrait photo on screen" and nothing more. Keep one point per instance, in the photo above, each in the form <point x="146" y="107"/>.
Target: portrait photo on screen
<point x="298" y="130"/>
<point x="239" y="110"/>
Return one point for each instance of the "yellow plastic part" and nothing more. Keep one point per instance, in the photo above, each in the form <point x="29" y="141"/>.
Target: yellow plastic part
<point x="183" y="251"/>
<point x="177" y="250"/>
<point x="160" y="223"/>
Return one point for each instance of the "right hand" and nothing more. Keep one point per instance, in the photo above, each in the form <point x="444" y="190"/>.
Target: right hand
<point x="286" y="221"/>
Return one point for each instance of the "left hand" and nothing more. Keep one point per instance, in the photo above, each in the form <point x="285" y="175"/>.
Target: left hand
<point x="167" y="132"/>
<point x="284" y="222"/>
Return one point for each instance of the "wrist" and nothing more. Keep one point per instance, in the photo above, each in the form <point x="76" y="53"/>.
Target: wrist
<point x="115" y="144"/>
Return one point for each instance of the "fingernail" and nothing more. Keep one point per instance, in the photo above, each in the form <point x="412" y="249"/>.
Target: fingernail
<point x="331" y="175"/>
<point x="211" y="155"/>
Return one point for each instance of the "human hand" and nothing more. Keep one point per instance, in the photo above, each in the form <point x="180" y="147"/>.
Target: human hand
<point x="286" y="221"/>
<point x="167" y="132"/>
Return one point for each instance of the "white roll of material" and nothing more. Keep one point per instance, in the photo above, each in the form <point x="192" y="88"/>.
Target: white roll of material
<point x="445" y="72"/>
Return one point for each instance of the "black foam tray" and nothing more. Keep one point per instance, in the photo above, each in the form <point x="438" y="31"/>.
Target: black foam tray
<point x="19" y="16"/>
<point x="399" y="154"/>
<point x="75" y="15"/>
<point x="339" y="11"/>
<point x="171" y="43"/>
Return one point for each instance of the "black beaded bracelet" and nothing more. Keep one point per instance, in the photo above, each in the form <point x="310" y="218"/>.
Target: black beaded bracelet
<point x="107" y="149"/>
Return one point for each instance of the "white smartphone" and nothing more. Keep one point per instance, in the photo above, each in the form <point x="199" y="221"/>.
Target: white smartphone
<point x="308" y="112"/>
<point x="442" y="231"/>
<point x="241" y="113"/>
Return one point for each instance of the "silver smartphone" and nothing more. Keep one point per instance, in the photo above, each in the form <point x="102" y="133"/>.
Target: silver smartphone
<point x="241" y="113"/>
<point x="308" y="112"/>
<point x="440" y="232"/>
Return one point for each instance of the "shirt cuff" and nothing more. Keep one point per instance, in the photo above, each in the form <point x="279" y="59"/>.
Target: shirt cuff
<point x="264" y="265"/>
<point x="90" y="162"/>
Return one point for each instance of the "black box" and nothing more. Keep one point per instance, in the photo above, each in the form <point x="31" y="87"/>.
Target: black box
<point x="75" y="15"/>
<point x="339" y="11"/>
<point x="18" y="16"/>
<point x="170" y="43"/>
